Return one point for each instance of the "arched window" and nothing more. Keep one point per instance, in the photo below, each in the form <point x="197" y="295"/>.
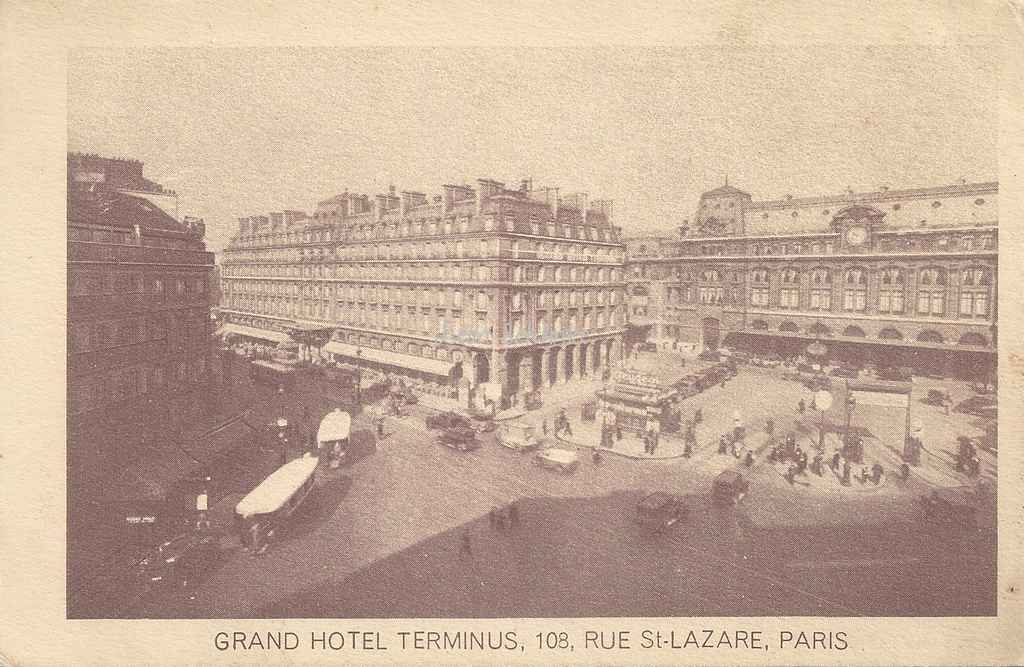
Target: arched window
<point x="789" y="293"/>
<point x="971" y="338"/>
<point x="889" y="333"/>
<point x="853" y="332"/>
<point x="789" y="327"/>
<point x="855" y="290"/>
<point x="759" y="325"/>
<point x="820" y="330"/>
<point x="821" y="289"/>
<point x="710" y="276"/>
<point x="930" y="336"/>
<point x="890" y="291"/>
<point x="931" y="291"/>
<point x="759" y="287"/>
<point x="974" y="292"/>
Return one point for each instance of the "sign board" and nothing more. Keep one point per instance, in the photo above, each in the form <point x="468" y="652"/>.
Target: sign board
<point x="637" y="379"/>
<point x="882" y="399"/>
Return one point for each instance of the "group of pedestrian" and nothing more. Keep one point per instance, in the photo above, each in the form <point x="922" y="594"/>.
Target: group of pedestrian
<point x="651" y="438"/>
<point x="506" y="517"/>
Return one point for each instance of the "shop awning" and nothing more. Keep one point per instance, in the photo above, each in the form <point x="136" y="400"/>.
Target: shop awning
<point x="253" y="332"/>
<point x="387" y="358"/>
<point x="951" y="347"/>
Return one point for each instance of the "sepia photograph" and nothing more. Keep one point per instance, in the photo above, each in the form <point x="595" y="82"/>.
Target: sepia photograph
<point x="522" y="333"/>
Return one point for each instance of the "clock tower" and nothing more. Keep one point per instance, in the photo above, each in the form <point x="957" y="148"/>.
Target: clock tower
<point x="855" y="225"/>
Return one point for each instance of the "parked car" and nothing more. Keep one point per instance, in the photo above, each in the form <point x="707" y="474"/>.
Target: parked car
<point x="709" y="355"/>
<point x="729" y="488"/>
<point x="562" y="460"/>
<point x="660" y="510"/>
<point x="955" y="507"/>
<point x="461" y="438"/>
<point x="443" y="420"/>
<point x="647" y="347"/>
<point x="518" y="437"/>
<point x="179" y="562"/>
<point x="979" y="406"/>
<point x="902" y="374"/>
<point x="844" y="371"/>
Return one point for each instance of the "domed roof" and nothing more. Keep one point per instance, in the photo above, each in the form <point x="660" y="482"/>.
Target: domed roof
<point x="725" y="190"/>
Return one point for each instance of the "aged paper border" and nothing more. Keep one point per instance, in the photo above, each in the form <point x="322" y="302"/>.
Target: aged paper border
<point x="33" y="629"/>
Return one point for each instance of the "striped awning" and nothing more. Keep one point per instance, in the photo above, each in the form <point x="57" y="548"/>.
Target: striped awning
<point x="388" y="358"/>
<point x="253" y="332"/>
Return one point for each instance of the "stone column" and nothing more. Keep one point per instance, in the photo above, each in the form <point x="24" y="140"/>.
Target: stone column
<point x="525" y="376"/>
<point x="545" y="366"/>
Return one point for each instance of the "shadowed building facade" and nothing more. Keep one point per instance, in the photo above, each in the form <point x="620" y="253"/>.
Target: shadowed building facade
<point x="890" y="275"/>
<point x="520" y="288"/>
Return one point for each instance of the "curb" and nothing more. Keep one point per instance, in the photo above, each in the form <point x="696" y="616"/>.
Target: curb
<point x="625" y="455"/>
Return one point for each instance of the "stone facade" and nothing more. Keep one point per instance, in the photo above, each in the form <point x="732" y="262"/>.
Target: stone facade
<point x="889" y="269"/>
<point x="519" y="287"/>
<point x="138" y="292"/>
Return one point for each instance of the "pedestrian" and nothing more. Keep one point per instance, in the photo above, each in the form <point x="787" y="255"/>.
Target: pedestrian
<point x="835" y="461"/>
<point x="750" y="459"/>
<point x="492" y="517"/>
<point x="698" y="416"/>
<point x="769" y="427"/>
<point x="596" y="457"/>
<point x="735" y="451"/>
<point x="791" y="473"/>
<point x="467" y="545"/>
<point x="723" y="444"/>
<point x="513" y="514"/>
<point x="544" y="426"/>
<point x="687" y="449"/>
<point x="618" y="432"/>
<point x="876" y="473"/>
<point x="801" y="407"/>
<point x="904" y="471"/>
<point x="947" y="402"/>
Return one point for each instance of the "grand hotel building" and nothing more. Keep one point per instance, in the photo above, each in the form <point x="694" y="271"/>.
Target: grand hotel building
<point x="902" y="277"/>
<point x="519" y="288"/>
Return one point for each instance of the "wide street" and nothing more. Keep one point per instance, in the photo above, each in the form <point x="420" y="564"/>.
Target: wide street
<point x="387" y="537"/>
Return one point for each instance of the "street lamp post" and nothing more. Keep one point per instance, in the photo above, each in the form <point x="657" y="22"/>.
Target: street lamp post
<point x="282" y="437"/>
<point x="359" y="376"/>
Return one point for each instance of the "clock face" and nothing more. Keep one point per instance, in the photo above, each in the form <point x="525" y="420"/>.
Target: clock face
<point x="856" y="235"/>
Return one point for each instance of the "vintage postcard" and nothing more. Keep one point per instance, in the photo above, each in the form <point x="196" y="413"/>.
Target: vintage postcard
<point x="669" y="351"/>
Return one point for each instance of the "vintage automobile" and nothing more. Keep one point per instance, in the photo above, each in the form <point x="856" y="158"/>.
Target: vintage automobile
<point x="955" y="506"/>
<point x="518" y="436"/>
<point x="534" y="400"/>
<point x="709" y="355"/>
<point x="729" y="488"/>
<point x="460" y="438"/>
<point x="660" y="510"/>
<point x="647" y="347"/>
<point x="967" y="456"/>
<point x="844" y="371"/>
<point x="979" y="406"/>
<point x="181" y="561"/>
<point x="562" y="460"/>
<point x="901" y="374"/>
<point x="444" y="420"/>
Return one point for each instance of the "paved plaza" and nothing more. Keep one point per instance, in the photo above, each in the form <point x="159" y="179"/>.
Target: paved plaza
<point x="392" y="527"/>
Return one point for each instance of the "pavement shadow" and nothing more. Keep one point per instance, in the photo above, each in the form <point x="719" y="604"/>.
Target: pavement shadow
<point x="589" y="557"/>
